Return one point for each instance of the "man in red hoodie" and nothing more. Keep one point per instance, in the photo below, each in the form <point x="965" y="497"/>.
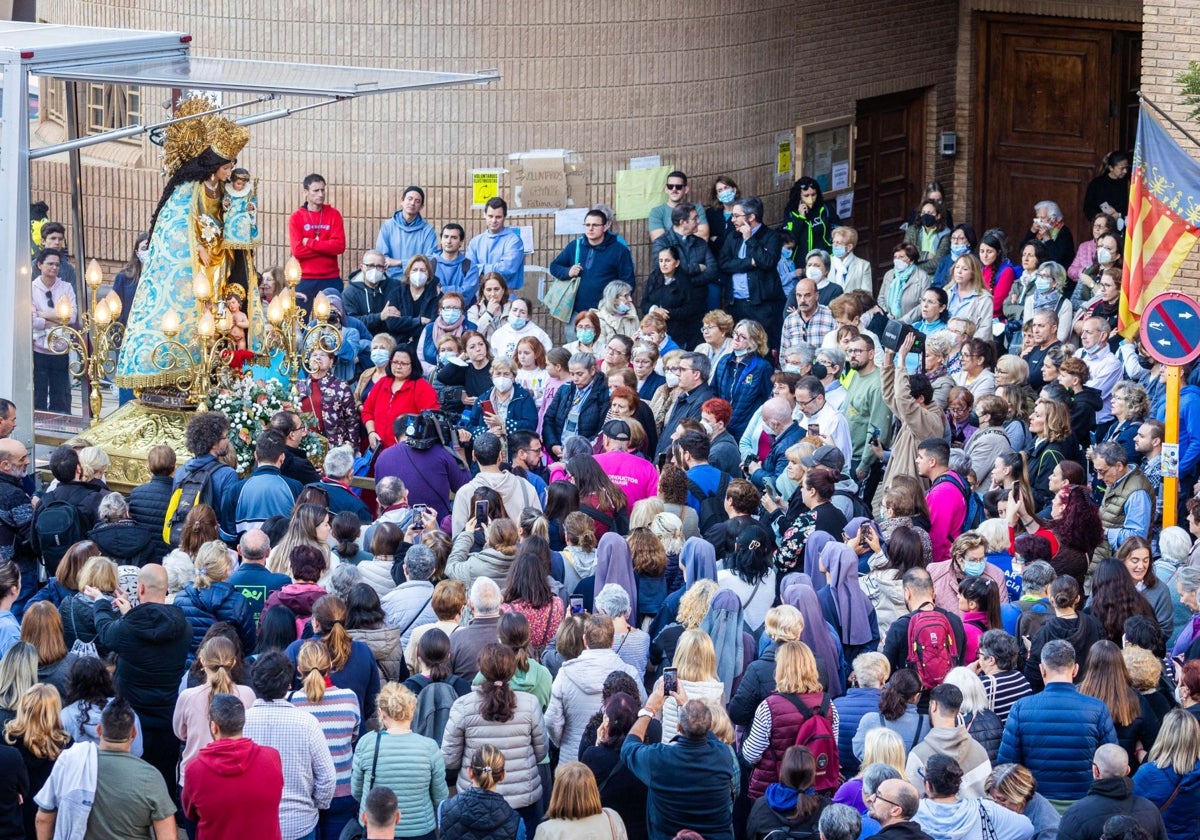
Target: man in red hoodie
<point x="232" y="788"/>
<point x="317" y="235"/>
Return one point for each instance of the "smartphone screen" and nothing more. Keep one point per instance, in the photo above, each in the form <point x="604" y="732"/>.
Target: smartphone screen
<point x="481" y="511"/>
<point x="418" y="518"/>
<point x="576" y="605"/>
<point x="670" y="681"/>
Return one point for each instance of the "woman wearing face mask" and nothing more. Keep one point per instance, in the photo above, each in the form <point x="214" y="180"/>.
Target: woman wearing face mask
<point x="450" y="321"/>
<point x="808" y="217"/>
<point x="329" y="400"/>
<point x="1085" y="257"/>
<point x="382" y="346"/>
<point x="725" y="193"/>
<point x="1108" y="258"/>
<point x="403" y="392"/>
<point x="903" y="285"/>
<point x="679" y="294"/>
<point x="616" y="312"/>
<point x="514" y="407"/>
<point x="1049" y="292"/>
<point x="846" y="269"/>
<point x="414" y="303"/>
<point x="817" y="264"/>
<point x="929" y="236"/>
<point x="968" y="558"/>
<point x="962" y="241"/>
<point x="505" y="338"/>
<point x="587" y="334"/>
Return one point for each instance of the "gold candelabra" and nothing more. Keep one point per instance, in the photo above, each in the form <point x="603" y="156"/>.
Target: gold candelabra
<point x="289" y="333"/>
<point x="171" y="356"/>
<point x="97" y="339"/>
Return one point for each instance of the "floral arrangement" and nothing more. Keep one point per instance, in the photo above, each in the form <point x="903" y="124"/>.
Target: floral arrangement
<point x="249" y="404"/>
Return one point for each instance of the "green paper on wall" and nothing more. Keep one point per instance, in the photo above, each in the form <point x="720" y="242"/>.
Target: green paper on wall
<point x="639" y="190"/>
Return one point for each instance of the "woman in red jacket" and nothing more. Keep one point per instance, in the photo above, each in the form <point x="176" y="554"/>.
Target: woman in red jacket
<point x="403" y="391"/>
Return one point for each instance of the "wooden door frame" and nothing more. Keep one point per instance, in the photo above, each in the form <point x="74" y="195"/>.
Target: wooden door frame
<point x="982" y="21"/>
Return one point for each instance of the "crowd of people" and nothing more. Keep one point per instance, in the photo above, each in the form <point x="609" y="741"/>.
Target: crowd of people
<point x="752" y="564"/>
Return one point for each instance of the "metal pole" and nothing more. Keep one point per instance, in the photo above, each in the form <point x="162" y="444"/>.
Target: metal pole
<point x="1170" y="488"/>
<point x="72" y="105"/>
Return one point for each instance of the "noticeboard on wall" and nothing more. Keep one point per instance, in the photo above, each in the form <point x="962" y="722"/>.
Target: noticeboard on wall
<point x="826" y="153"/>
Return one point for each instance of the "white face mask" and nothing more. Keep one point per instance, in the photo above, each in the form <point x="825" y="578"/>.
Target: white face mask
<point x="708" y="427"/>
<point x="503" y="384"/>
<point x="672" y="380"/>
<point x="418" y="279"/>
<point x="814" y="274"/>
<point x="373" y="276"/>
<point x="142" y="254"/>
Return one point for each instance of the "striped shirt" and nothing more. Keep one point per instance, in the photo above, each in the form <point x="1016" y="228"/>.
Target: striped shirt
<point x="1003" y="690"/>
<point x="338" y="715"/>
<point x="308" y="774"/>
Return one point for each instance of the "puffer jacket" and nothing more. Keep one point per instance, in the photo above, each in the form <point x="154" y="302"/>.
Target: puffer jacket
<point x="757" y="682"/>
<point x="576" y="695"/>
<point x="378" y="575"/>
<point x="1159" y="784"/>
<point x="384" y="643"/>
<point x="218" y="602"/>
<point x="478" y="814"/>
<point x="987" y="729"/>
<point x="1060" y="757"/>
<point x="465" y="566"/>
<point x="148" y="505"/>
<point x="522" y="740"/>
<point x="127" y="543"/>
<point x="851" y="707"/>
<point x="886" y="591"/>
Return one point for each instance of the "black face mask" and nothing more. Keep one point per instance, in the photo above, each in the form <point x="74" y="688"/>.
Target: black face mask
<point x="928" y="220"/>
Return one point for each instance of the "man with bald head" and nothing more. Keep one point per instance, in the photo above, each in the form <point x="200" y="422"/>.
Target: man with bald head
<point x="252" y="578"/>
<point x="151" y="642"/>
<point x="1111" y="794"/>
<point x="16" y="518"/>
<point x="893" y="805"/>
<point x="778" y="423"/>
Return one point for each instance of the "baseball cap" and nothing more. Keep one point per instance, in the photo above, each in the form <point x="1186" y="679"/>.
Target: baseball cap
<point x="826" y="456"/>
<point x="617" y="430"/>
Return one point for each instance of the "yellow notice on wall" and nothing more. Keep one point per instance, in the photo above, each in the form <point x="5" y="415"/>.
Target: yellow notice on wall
<point x="485" y="185"/>
<point x="639" y="190"/>
<point x="783" y="157"/>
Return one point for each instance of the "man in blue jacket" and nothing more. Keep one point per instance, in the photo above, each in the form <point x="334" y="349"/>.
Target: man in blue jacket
<point x="596" y="258"/>
<point x="266" y="492"/>
<point x="1035" y="734"/>
<point x="406" y="234"/>
<point x="498" y="248"/>
<point x="704" y="803"/>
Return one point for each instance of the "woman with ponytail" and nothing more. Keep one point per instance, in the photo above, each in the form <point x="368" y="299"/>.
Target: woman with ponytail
<point x="352" y="663"/>
<point x="495" y="714"/>
<point x="336" y="711"/>
<point x="218" y="657"/>
<point x="479" y="811"/>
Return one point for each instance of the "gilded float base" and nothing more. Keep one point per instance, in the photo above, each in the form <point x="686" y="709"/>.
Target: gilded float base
<point x="128" y="435"/>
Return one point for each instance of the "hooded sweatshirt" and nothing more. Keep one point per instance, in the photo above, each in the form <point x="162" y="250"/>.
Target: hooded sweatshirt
<point x="502" y="252"/>
<point x="151" y="642"/>
<point x="460" y="274"/>
<point x="964" y="819"/>
<point x="958" y="744"/>
<point x="401" y="240"/>
<point x="234" y="770"/>
<point x="516" y="493"/>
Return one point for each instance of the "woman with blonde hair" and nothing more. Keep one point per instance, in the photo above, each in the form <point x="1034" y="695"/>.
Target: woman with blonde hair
<point x="479" y="811"/>
<point x="337" y="712"/>
<point x="93" y="464"/>
<point x="493" y="712"/>
<point x="351" y="662"/>
<point x="210" y="598"/>
<point x="1050" y="424"/>
<point x="18" y="672"/>
<point x="218" y="657"/>
<point x="783" y="624"/>
<point x="41" y="627"/>
<point x="78" y="614"/>
<point x="398" y="758"/>
<point x="39" y="737"/>
<point x="778" y="718"/>
<point x="575" y="812"/>
<point x="981" y="722"/>
<point x="1012" y="786"/>
<point x="969" y="297"/>
<point x="693" y="607"/>
<point x="310" y="525"/>
<point x="696" y="662"/>
<point x="1170" y="777"/>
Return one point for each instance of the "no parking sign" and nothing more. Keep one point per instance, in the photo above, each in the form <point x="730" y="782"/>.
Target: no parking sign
<point x="1170" y="328"/>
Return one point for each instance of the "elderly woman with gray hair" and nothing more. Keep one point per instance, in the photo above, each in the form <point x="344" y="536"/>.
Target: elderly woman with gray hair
<point x="939" y="347"/>
<point x="339" y="469"/>
<point x="629" y="643"/>
<point x="118" y="536"/>
<point x="1187" y="584"/>
<point x="410" y="604"/>
<point x="616" y="311"/>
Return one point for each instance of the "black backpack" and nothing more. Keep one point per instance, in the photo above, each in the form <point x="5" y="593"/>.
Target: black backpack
<point x="712" y="505"/>
<point x="58" y="526"/>
<point x="859" y="507"/>
<point x="194" y="488"/>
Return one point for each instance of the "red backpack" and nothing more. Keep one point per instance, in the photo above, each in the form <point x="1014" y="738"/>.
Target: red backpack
<point x="816" y="733"/>
<point x="931" y="647"/>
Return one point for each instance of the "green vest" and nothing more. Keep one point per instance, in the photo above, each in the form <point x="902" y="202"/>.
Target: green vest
<point x="1112" y="508"/>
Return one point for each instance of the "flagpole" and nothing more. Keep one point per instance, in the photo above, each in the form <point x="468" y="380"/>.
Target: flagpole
<point x="1146" y="101"/>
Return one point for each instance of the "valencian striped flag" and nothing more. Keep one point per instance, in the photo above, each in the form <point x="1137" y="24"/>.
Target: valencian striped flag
<point x="1164" y="218"/>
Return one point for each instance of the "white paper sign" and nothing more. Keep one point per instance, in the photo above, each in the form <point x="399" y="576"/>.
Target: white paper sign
<point x="841" y="176"/>
<point x="526" y="237"/>
<point x="569" y="222"/>
<point x="647" y="162"/>
<point x="845" y="205"/>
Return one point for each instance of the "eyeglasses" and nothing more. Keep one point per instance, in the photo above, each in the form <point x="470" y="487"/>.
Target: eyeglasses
<point x="742" y="336"/>
<point x="676" y="186"/>
<point x="672" y="370"/>
<point x="805" y="403"/>
<point x="374" y="265"/>
<point x="873" y="796"/>
<point x="737" y="215"/>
